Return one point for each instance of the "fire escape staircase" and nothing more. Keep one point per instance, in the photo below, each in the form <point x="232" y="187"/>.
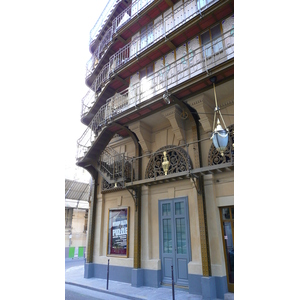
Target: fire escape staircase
<point x="114" y="167"/>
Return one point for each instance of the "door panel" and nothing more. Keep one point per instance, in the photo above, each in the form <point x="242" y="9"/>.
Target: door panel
<point x="168" y="262"/>
<point x="174" y="240"/>
<point x="182" y="269"/>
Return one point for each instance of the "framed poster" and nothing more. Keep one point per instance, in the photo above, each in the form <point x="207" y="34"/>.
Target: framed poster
<point x="118" y="223"/>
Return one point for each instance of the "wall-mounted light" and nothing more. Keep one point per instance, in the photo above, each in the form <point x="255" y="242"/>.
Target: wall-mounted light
<point x="166" y="98"/>
<point x="219" y="135"/>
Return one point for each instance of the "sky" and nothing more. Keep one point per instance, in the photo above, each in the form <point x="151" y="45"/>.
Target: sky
<point x="45" y="60"/>
<point x="43" y="52"/>
<point x="84" y="19"/>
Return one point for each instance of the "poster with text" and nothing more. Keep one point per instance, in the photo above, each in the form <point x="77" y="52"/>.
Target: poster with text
<point x="118" y="232"/>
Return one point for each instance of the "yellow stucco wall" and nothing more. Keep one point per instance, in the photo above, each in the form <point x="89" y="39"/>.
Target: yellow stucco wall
<point x="219" y="191"/>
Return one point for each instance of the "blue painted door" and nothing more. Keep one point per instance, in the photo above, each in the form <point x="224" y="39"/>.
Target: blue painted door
<point x="174" y="240"/>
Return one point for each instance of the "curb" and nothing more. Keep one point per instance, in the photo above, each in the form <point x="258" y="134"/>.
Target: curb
<point x="104" y="291"/>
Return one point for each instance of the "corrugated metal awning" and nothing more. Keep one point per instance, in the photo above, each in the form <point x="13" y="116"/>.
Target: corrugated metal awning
<point x="76" y="190"/>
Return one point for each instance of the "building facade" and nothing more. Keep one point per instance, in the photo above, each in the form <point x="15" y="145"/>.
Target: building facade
<point x="76" y="217"/>
<point x="162" y="198"/>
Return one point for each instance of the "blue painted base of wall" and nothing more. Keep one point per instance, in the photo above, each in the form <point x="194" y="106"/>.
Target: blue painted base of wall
<point x="137" y="277"/>
<point x="221" y="286"/>
<point x="88" y="270"/>
<point x="152" y="278"/>
<point x="195" y="284"/>
<point x="209" y="287"/>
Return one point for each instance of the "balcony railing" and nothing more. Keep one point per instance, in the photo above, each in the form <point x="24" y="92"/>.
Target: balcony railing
<point x="87" y="101"/>
<point x="101" y="20"/>
<point x="169" y="22"/>
<point x="131" y="11"/>
<point x="195" y="62"/>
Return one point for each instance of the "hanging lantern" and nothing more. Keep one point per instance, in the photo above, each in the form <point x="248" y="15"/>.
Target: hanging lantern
<point x="220" y="138"/>
<point x="219" y="135"/>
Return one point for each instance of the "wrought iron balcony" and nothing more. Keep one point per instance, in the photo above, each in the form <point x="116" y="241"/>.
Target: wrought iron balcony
<point x="189" y="65"/>
<point x="169" y="23"/>
<point x="118" y="171"/>
<point x="126" y="15"/>
<point x="102" y="18"/>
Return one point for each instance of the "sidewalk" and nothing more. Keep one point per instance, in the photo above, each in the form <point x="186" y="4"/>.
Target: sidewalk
<point x="74" y="276"/>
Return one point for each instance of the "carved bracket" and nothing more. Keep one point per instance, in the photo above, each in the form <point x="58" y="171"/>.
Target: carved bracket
<point x="134" y="193"/>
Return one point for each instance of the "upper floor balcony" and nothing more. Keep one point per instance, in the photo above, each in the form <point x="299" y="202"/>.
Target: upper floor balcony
<point x="186" y="75"/>
<point x="157" y="29"/>
<point x="116" y="14"/>
<point x="116" y="74"/>
<point x="103" y="18"/>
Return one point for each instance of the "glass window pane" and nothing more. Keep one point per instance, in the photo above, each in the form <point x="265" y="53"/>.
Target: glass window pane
<point x="202" y="3"/>
<point x="205" y="37"/>
<point x="150" y="33"/>
<point x="206" y="45"/>
<point x="166" y="209"/>
<point x="167" y="236"/>
<point x="149" y="70"/>
<point x="179" y="208"/>
<point x="229" y="248"/>
<point x="215" y="31"/>
<point x="217" y="42"/>
<point x="232" y="213"/>
<point x="225" y="214"/>
<point x="180" y="236"/>
<point x="142" y="73"/>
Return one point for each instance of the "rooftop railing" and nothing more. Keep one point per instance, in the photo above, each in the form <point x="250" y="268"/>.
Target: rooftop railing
<point x="190" y="64"/>
<point x="170" y="22"/>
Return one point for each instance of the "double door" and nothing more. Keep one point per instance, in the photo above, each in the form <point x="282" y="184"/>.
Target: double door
<point x="174" y="236"/>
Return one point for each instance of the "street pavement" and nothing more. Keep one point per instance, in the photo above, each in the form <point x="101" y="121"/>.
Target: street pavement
<point x="74" y="272"/>
<point x="73" y="292"/>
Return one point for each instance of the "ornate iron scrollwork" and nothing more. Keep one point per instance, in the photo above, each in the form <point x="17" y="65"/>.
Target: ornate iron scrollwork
<point x="178" y="158"/>
<point x="214" y="156"/>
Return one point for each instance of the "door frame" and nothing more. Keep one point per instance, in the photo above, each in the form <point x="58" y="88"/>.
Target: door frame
<point x="231" y="220"/>
<point x="188" y="237"/>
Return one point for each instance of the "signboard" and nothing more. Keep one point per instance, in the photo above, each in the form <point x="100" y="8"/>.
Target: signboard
<point x="118" y="221"/>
